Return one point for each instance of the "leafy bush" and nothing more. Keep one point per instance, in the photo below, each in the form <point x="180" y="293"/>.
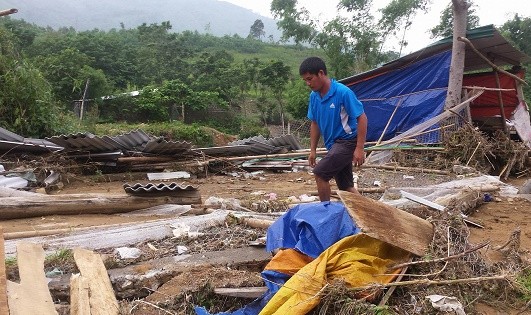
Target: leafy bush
<point x="253" y="127"/>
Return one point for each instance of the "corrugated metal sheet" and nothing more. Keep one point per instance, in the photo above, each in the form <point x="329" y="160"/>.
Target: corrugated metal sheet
<point x="10" y="136"/>
<point x="253" y="146"/>
<point x="258" y="145"/>
<point x="10" y="141"/>
<point x="9" y="146"/>
<point x="254" y="139"/>
<point x="134" y="139"/>
<point x="155" y="189"/>
<point x="285" y="141"/>
<point x="86" y="142"/>
<point x="161" y="146"/>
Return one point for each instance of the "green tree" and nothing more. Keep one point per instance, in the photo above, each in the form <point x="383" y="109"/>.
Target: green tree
<point x="275" y="75"/>
<point x="446" y="24"/>
<point x="353" y="43"/>
<point x="27" y="106"/>
<point x="257" y="30"/>
<point x="297" y="95"/>
<point x="518" y="31"/>
<point x="69" y="70"/>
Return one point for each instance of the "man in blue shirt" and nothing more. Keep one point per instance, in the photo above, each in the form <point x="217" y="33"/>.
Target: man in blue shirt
<point x="338" y="116"/>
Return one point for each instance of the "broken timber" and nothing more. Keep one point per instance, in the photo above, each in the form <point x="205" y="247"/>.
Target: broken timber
<point x="31" y="295"/>
<point x="389" y="224"/>
<point x="74" y="204"/>
<point x="101" y="298"/>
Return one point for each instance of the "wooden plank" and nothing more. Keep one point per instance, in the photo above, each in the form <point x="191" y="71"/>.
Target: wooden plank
<point x="26" y="207"/>
<point x="249" y="292"/>
<point x="102" y="299"/>
<point x="79" y="295"/>
<point x="31" y="295"/>
<point x="4" y="310"/>
<point x="389" y="224"/>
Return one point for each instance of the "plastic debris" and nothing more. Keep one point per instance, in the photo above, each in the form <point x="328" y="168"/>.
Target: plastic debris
<point x="128" y="252"/>
<point x="181" y="249"/>
<point x="446" y="304"/>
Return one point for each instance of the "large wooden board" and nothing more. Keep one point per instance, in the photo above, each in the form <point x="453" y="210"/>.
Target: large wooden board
<point x="102" y="299"/>
<point x="389" y="224"/>
<point x="31" y="295"/>
<point x="4" y="310"/>
<point x="75" y="204"/>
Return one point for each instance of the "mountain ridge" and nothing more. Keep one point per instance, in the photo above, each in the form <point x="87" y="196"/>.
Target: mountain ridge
<point x="215" y="17"/>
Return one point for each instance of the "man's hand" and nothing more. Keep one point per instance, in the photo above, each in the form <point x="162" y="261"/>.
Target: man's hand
<point x="311" y="158"/>
<point x="359" y="156"/>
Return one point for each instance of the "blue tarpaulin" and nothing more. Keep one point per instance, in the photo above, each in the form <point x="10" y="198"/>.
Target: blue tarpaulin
<point x="311" y="228"/>
<point x="418" y="89"/>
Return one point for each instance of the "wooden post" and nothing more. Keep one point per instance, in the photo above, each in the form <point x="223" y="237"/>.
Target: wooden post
<point x="500" y="101"/>
<point x="4" y="310"/>
<point x="83" y="100"/>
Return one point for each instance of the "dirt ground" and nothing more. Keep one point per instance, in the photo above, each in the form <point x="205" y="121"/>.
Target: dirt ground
<point x="500" y="217"/>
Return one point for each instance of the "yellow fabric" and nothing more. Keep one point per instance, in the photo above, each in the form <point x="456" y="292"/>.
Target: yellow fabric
<point x="357" y="260"/>
<point x="288" y="261"/>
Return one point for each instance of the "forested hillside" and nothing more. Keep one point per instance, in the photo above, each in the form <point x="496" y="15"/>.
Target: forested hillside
<point x="205" y="16"/>
<point x="177" y="74"/>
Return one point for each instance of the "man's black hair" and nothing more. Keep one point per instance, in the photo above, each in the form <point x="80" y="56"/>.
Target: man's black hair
<point x="312" y="65"/>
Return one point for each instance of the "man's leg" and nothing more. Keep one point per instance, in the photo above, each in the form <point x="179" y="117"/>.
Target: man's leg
<point x="338" y="158"/>
<point x="323" y="188"/>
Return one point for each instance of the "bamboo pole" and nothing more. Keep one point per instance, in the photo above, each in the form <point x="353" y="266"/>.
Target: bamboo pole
<point x="389" y="121"/>
<point x="495" y="67"/>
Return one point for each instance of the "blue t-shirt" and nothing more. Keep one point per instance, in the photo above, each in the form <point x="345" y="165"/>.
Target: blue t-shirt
<point x="335" y="113"/>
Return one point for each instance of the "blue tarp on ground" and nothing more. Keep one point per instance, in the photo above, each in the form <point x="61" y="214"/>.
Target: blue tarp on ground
<point x="419" y="91"/>
<point x="308" y="228"/>
<point x="311" y="228"/>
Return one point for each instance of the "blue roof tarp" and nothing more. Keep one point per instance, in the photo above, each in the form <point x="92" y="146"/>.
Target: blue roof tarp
<point x="418" y="89"/>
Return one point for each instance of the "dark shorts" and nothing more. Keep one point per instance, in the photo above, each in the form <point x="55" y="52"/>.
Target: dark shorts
<point x="337" y="164"/>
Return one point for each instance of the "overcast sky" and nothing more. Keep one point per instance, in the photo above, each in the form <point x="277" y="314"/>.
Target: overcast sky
<point x="489" y="12"/>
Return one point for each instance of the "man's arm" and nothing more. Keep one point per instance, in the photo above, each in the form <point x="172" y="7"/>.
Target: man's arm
<point x="314" y="139"/>
<point x="359" y="153"/>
